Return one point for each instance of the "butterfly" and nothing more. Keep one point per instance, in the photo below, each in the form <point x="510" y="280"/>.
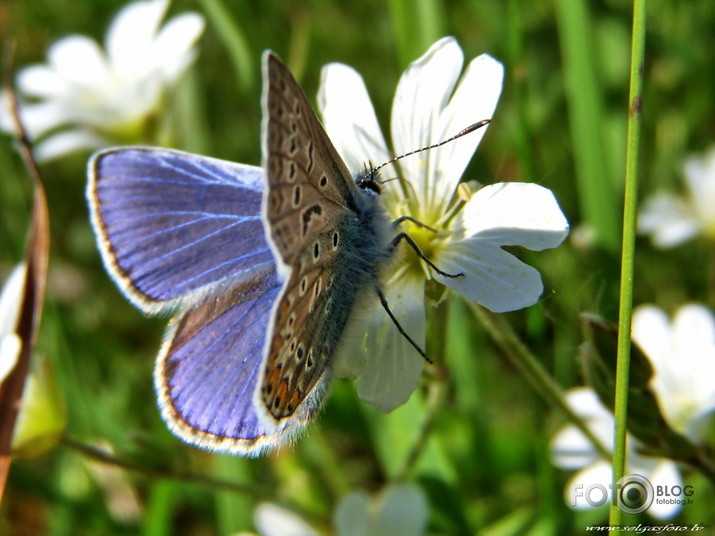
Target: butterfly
<point x="261" y="267"/>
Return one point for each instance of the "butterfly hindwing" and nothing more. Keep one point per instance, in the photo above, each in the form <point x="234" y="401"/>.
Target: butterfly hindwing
<point x="169" y="223"/>
<point x="208" y="367"/>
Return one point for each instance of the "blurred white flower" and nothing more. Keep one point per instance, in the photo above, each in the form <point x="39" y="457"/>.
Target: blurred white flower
<point x="10" y="302"/>
<point x="398" y="509"/>
<point x="272" y="520"/>
<point x="42" y="416"/>
<point x="571" y="450"/>
<point x="671" y="220"/>
<point x="432" y="104"/>
<point x="86" y="98"/>
<point x="682" y="353"/>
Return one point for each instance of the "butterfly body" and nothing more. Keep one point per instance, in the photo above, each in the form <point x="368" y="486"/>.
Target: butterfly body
<point x="262" y="269"/>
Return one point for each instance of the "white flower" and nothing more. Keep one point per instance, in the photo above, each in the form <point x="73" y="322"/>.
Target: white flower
<point x="671" y="220"/>
<point x="10" y="302"/>
<point x="432" y="104"/>
<point x="682" y="353"/>
<point x="42" y="415"/>
<point x="571" y="450"/>
<point x="272" y="520"/>
<point x="86" y="98"/>
<point x="398" y="509"/>
<point x="683" y="357"/>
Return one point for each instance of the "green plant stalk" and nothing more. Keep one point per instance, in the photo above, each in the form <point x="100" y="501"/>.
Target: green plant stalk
<point x="504" y="337"/>
<point x="596" y="187"/>
<point x="234" y="39"/>
<point x="415" y="25"/>
<point x="628" y="250"/>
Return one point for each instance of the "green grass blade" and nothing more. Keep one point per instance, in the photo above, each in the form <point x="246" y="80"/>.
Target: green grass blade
<point x="628" y="251"/>
<point x="596" y="188"/>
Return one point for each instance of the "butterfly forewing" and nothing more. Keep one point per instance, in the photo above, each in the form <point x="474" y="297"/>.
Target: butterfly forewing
<point x="308" y="182"/>
<point x="169" y="223"/>
<point x="310" y="203"/>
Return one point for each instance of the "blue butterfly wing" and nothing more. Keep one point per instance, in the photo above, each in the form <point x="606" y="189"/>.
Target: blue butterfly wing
<point x="176" y="228"/>
<point x="208" y="367"/>
<point x="169" y="223"/>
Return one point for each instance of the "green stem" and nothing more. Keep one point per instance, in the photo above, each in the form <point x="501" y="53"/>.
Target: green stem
<point x="628" y="251"/>
<point x="504" y="337"/>
<point x="255" y="491"/>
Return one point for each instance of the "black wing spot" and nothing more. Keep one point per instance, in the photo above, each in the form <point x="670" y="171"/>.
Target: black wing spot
<point x="323" y="181"/>
<point x="314" y="211"/>
<point x="310" y="156"/>
<point x="296" y="195"/>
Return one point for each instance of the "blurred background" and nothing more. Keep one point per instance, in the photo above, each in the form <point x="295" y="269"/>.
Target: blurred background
<point x="483" y="458"/>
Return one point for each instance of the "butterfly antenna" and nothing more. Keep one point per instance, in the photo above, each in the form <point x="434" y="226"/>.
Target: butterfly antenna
<point x="464" y="132"/>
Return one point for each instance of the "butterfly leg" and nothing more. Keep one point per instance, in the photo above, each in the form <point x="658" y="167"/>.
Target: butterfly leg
<point x="417" y="222"/>
<point x="402" y="331"/>
<point x="407" y="238"/>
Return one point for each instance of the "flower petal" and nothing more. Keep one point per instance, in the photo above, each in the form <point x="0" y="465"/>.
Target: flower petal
<point x="10" y="300"/>
<point x="668" y="220"/>
<point x="173" y="47"/>
<point x="67" y="141"/>
<point x="492" y="277"/>
<point x="271" y="520"/>
<point x="570" y="449"/>
<point x="131" y="36"/>
<point x="37" y="118"/>
<point x="693" y="359"/>
<point x="474" y="99"/>
<point x="428" y="109"/>
<point x="393" y="367"/>
<point x="403" y="511"/>
<point x="352" y="515"/>
<point x="79" y="61"/>
<point x="514" y="214"/>
<point x="700" y="178"/>
<point x="422" y="94"/>
<point x="506" y="214"/>
<point x="650" y="329"/>
<point x="10" y="303"/>
<point x="590" y="487"/>
<point x="10" y="346"/>
<point x="349" y="118"/>
<point x="41" y="81"/>
<point x="663" y="472"/>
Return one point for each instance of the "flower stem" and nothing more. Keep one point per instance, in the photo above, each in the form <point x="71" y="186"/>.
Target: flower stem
<point x="628" y="251"/>
<point x="504" y="337"/>
<point x="255" y="491"/>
